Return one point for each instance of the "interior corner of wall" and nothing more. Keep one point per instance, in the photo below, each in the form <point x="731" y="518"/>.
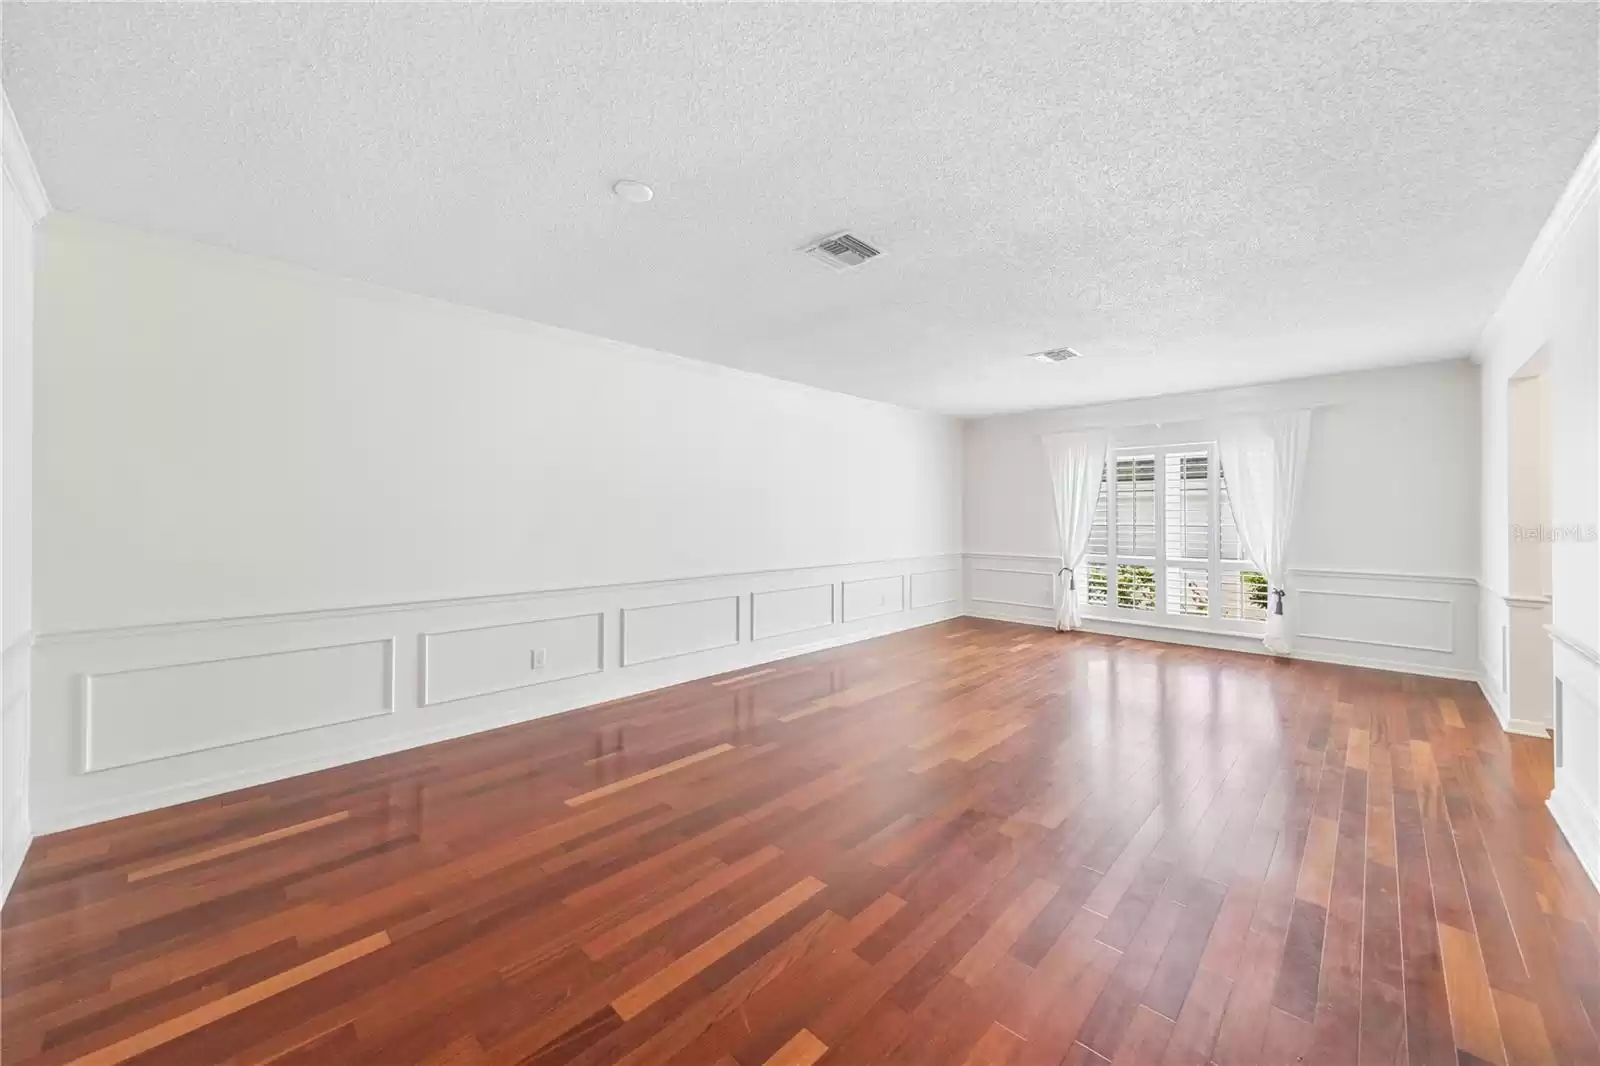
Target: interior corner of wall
<point x="1490" y="687"/>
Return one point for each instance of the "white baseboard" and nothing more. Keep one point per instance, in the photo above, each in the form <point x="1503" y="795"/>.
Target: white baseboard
<point x="16" y="849"/>
<point x="1193" y="638"/>
<point x="1580" y="823"/>
<point x="1496" y="701"/>
<point x="1392" y="666"/>
<point x="995" y="612"/>
<point x="1494" y="698"/>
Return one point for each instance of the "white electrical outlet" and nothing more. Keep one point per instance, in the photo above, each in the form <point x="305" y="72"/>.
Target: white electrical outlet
<point x="537" y="659"/>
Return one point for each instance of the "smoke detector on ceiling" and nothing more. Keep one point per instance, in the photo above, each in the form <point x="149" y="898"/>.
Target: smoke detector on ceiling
<point x="842" y="251"/>
<point x="1056" y="355"/>
<point x="635" y="192"/>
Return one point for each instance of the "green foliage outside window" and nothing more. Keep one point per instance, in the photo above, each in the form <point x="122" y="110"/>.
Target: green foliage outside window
<point x="1253" y="587"/>
<point x="1136" y="587"/>
<point x="1097" y="584"/>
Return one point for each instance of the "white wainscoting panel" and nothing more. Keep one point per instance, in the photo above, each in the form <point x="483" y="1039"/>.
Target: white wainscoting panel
<point x="293" y="693"/>
<point x="671" y="629"/>
<point x="1012" y="586"/>
<point x="157" y="712"/>
<point x="1575" y="801"/>
<point x="935" y="587"/>
<point x="1385" y="620"/>
<point x="16" y="742"/>
<point x="778" y="612"/>
<point x="462" y="663"/>
<point x="1415" y="623"/>
<point x="873" y="596"/>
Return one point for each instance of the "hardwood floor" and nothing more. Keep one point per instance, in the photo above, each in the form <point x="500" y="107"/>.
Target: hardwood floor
<point x="971" y="844"/>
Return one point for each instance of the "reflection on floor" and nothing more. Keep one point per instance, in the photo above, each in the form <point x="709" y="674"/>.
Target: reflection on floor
<point x="972" y="843"/>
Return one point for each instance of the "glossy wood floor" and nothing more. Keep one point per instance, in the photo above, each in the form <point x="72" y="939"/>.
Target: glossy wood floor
<point x="973" y="843"/>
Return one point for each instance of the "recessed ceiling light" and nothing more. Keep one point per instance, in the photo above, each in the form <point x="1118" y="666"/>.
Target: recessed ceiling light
<point x="635" y="192"/>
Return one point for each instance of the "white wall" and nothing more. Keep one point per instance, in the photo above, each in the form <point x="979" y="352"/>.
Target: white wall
<point x="1386" y="536"/>
<point x="24" y="204"/>
<point x="1550" y="312"/>
<point x="270" y="503"/>
<point x="220" y="436"/>
<point x="1550" y="316"/>
<point x="1523" y="695"/>
<point x="1528" y="490"/>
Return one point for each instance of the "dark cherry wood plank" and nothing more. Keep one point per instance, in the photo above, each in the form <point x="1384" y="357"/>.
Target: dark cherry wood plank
<point x="973" y="844"/>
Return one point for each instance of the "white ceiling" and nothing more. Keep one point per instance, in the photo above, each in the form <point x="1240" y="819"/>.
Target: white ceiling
<point x="1193" y="196"/>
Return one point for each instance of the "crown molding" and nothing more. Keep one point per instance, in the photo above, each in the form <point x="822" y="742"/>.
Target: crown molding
<point x="19" y="168"/>
<point x="1580" y="187"/>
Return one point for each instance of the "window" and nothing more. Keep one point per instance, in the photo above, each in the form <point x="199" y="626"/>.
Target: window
<point x="1136" y="506"/>
<point x="1164" y="546"/>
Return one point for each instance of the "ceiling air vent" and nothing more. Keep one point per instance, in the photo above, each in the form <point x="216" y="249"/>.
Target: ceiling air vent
<point x="1056" y="355"/>
<point x="842" y="251"/>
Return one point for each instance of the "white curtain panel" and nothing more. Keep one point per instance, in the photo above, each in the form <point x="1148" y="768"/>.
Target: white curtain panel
<point x="1262" y="461"/>
<point x="1077" y="461"/>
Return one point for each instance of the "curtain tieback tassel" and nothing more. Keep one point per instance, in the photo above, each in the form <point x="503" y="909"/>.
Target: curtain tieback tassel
<point x="1277" y="600"/>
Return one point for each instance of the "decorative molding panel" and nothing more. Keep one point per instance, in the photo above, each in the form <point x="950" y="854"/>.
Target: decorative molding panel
<point x="158" y="712"/>
<point x="1384" y="620"/>
<point x="1416" y="623"/>
<point x="459" y="664"/>
<point x="1012" y="587"/>
<point x="254" y="710"/>
<point x="873" y="596"/>
<point x="673" y="629"/>
<point x="782" y="611"/>
<point x="935" y="587"/>
<point x="1575" y="800"/>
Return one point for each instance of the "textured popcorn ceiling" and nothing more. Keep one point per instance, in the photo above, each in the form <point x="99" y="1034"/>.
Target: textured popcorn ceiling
<point x="1192" y="196"/>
